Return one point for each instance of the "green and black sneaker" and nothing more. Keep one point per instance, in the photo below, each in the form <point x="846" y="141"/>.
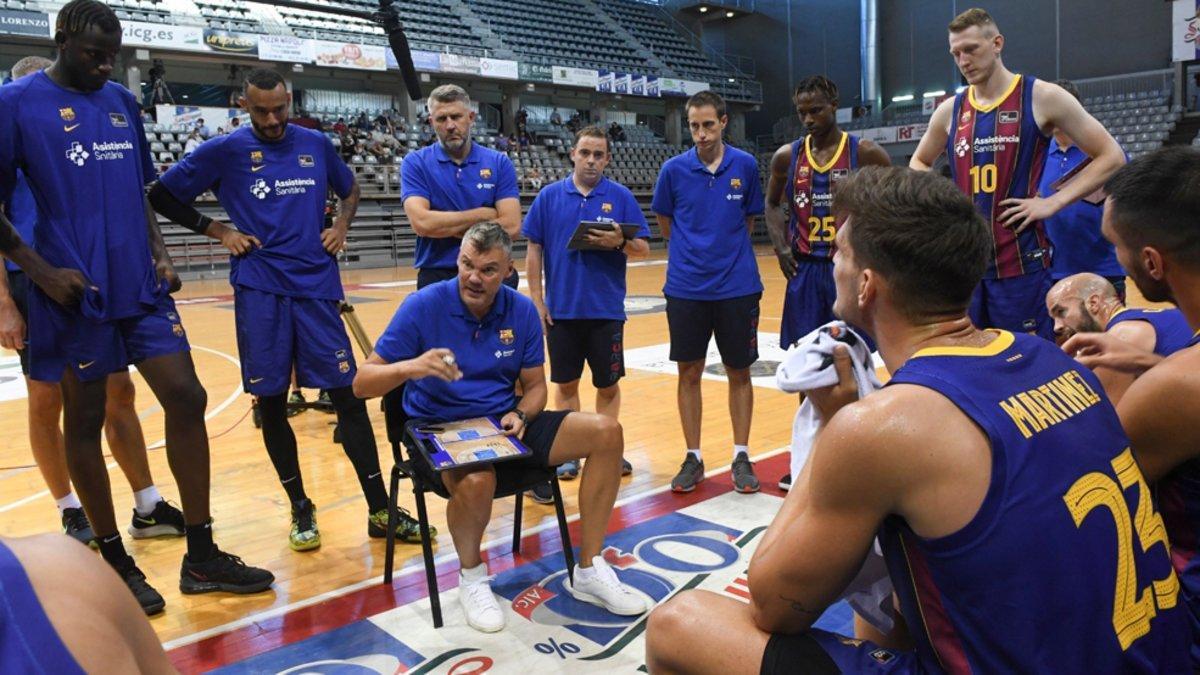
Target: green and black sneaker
<point x="164" y="521"/>
<point x="408" y="529"/>
<point x="304" y="536"/>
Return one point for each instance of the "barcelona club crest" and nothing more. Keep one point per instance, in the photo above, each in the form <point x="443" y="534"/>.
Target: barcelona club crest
<point x="485" y="173"/>
<point x="67" y="114"/>
<point x="966" y="117"/>
<point x="507" y="336"/>
<point x="343" y="366"/>
<point x="735" y="183"/>
<point x="256" y="157"/>
<point x="803" y="171"/>
<point x="606" y="207"/>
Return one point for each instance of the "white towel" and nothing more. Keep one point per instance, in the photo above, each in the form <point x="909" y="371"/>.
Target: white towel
<point x="808" y="365"/>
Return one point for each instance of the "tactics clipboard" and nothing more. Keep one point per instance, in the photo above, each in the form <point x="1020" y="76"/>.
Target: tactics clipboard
<point x="453" y="445"/>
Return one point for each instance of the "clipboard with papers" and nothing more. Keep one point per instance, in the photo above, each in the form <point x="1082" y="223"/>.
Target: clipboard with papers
<point x="579" y="240"/>
<point x="479" y="440"/>
<point x="1096" y="198"/>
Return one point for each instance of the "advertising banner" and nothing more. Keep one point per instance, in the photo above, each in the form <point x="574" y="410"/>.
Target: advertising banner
<point x="500" y="69"/>
<point x="574" y="77"/>
<point x="604" y="81"/>
<point x="621" y="83"/>
<point x="348" y="55"/>
<point x="34" y="24"/>
<point x="535" y="72"/>
<point x="1185" y="30"/>
<point x="285" y="48"/>
<point x="231" y="42"/>
<point x="637" y="85"/>
<point x="652" y="86"/>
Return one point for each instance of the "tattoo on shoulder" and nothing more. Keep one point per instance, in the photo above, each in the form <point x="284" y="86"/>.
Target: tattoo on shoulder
<point x="799" y="608"/>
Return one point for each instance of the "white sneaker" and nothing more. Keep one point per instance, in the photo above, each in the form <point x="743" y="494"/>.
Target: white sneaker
<point x="480" y="606"/>
<point x="603" y="588"/>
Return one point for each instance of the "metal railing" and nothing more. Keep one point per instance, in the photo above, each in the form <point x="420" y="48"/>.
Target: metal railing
<point x="1151" y="80"/>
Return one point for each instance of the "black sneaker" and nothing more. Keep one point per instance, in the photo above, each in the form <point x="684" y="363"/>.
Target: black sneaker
<point x="542" y="493"/>
<point x="222" y="572"/>
<point x="742" y="472"/>
<point x="151" y="602"/>
<point x="785" y="483"/>
<point x="164" y="521"/>
<point x="691" y="473"/>
<point x="76" y="526"/>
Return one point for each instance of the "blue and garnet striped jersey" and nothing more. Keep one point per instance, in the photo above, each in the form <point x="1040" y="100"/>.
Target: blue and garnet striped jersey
<point x="1171" y="330"/>
<point x="810" y="192"/>
<point x="1028" y="584"/>
<point x="997" y="152"/>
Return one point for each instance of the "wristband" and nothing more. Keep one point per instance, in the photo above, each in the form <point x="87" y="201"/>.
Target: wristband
<point x="519" y="413"/>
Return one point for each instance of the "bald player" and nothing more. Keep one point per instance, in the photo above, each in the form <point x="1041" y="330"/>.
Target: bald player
<point x="996" y="134"/>
<point x="1018" y="535"/>
<point x="1089" y="303"/>
<point x="1151" y="219"/>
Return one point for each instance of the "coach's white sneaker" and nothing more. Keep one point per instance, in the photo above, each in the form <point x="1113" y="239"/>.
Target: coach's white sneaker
<point x="478" y="602"/>
<point x="599" y="585"/>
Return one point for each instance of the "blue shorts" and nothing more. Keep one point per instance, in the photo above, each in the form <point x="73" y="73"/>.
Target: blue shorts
<point x="28" y="641"/>
<point x="819" y="652"/>
<point x="278" y="332"/>
<point x="61" y="338"/>
<point x="808" y="300"/>
<point x="1016" y="304"/>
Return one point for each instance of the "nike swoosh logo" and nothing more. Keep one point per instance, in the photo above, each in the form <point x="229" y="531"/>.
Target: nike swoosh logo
<point x="71" y="128"/>
<point x="375" y="475"/>
<point x="256" y="380"/>
<point x="86" y="365"/>
<point x="256" y="169"/>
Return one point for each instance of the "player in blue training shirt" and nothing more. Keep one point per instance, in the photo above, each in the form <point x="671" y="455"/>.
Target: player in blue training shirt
<point x="1019" y="533"/>
<point x="1150" y="216"/>
<point x="706" y="201"/>
<point x="272" y="179"/>
<point x="153" y="516"/>
<point x="1089" y="303"/>
<point x="102" y="278"/>
<point x="453" y="184"/>
<point x="583" y="305"/>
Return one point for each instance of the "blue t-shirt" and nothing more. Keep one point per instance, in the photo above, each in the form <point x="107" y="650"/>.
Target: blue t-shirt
<point x="275" y="192"/>
<point x="710" y="256"/>
<point x="1075" y="231"/>
<point x="86" y="160"/>
<point x="484" y="178"/>
<point x="582" y="284"/>
<point x="21" y="211"/>
<point x="490" y="353"/>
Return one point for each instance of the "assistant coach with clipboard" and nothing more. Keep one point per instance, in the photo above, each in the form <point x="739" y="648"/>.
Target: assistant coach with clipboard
<point x="462" y="345"/>
<point x="581" y="230"/>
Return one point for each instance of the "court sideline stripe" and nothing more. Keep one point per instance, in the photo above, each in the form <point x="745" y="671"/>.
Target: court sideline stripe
<point x="237" y="392"/>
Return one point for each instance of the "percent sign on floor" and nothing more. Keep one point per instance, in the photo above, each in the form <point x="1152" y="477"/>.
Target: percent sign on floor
<point x="553" y="646"/>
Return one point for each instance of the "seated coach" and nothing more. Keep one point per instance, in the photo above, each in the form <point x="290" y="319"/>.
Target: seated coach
<point x="462" y="345"/>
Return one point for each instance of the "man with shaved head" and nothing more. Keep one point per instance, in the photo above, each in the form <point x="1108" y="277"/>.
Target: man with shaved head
<point x="1089" y="303"/>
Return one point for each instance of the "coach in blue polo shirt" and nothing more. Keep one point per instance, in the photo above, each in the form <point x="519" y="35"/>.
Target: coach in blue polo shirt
<point x="453" y="184"/>
<point x="706" y="201"/>
<point x="462" y="345"/>
<point x="583" y="308"/>
<point x="1074" y="232"/>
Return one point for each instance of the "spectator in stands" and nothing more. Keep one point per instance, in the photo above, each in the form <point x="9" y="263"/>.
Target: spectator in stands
<point x="305" y="120"/>
<point x="340" y="126"/>
<point x="522" y="122"/>
<point x="513" y="143"/>
<point x="220" y="131"/>
<point x="556" y="119"/>
<point x="535" y="179"/>
<point x="384" y="136"/>
<point x="1074" y="232"/>
<point x="193" y="142"/>
<point x="616" y="132"/>
<point x="234" y="123"/>
<point x="362" y="122"/>
<point x="502" y="143"/>
<point x="205" y="132"/>
<point x="525" y="141"/>
<point x="576" y="123"/>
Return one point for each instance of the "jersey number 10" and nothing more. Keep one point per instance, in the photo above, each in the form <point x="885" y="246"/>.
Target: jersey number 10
<point x="983" y="179"/>
<point x="1131" y="613"/>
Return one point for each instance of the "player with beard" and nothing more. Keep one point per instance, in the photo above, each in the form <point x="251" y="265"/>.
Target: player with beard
<point x="1150" y="217"/>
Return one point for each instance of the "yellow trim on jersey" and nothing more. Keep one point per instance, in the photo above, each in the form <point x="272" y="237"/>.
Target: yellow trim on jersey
<point x="988" y="108"/>
<point x="1004" y="340"/>
<point x="836" y="156"/>
<point x="1119" y="312"/>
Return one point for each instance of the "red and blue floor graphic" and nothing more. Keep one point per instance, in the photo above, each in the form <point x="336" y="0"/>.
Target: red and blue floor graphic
<point x="658" y="544"/>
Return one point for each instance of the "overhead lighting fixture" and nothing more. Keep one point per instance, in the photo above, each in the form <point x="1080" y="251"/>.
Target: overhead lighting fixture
<point x="703" y="10"/>
<point x="934" y="94"/>
<point x="733" y="79"/>
<point x="729" y="15"/>
<point x="902" y="98"/>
